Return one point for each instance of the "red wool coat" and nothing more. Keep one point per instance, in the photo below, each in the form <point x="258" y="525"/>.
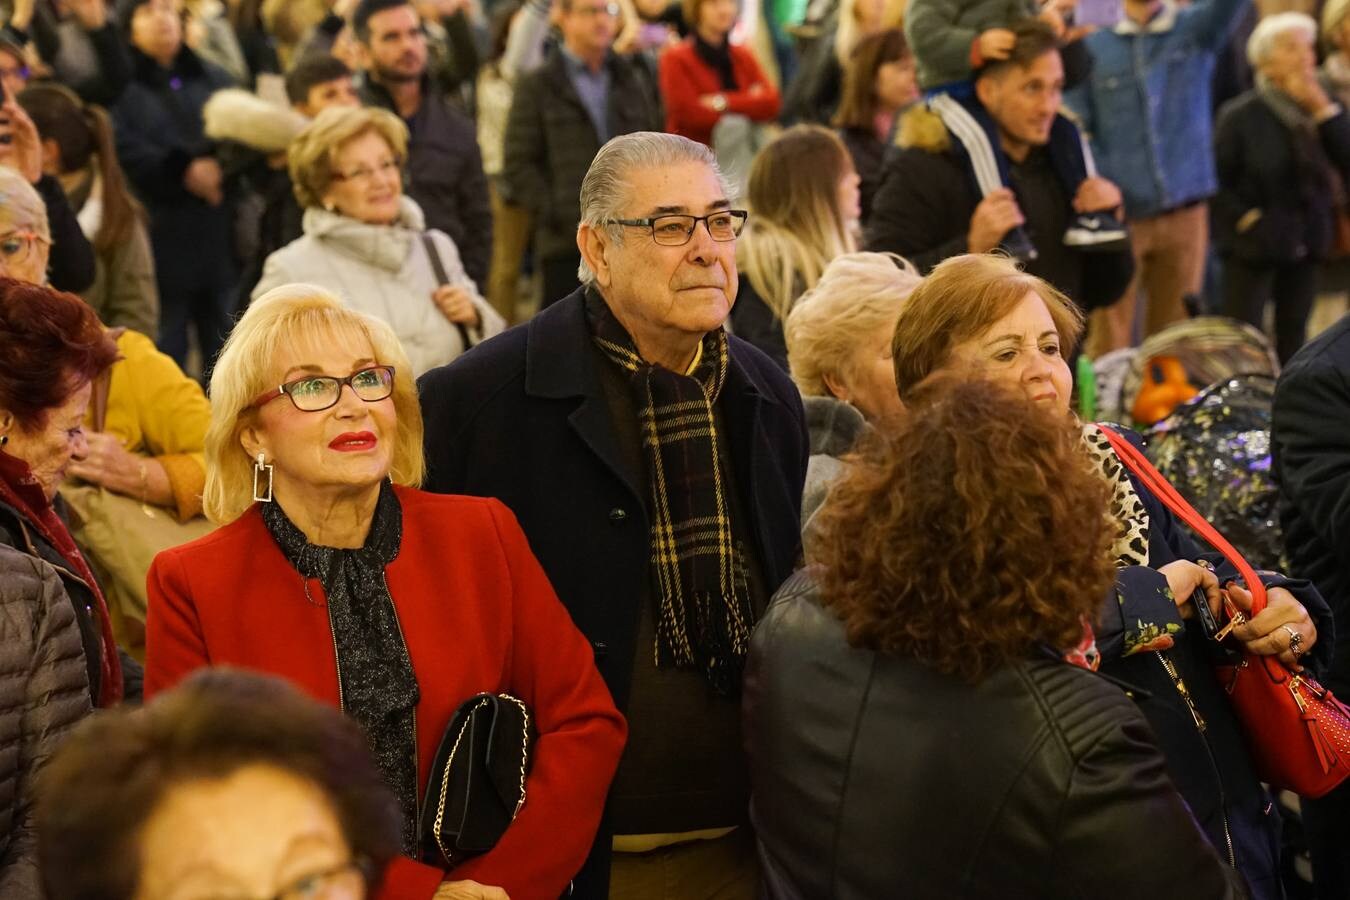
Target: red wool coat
<point x="685" y="77"/>
<point x="478" y="615"/>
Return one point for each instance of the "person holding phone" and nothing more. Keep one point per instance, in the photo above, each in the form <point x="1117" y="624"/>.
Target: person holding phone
<point x="72" y="264"/>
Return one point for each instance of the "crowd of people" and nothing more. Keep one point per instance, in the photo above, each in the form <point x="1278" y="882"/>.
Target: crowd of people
<point x="484" y="450"/>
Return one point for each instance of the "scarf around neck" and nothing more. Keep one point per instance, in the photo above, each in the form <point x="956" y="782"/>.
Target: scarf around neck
<point x="376" y="683"/>
<point x="704" y="615"/>
<point x="20" y="489"/>
<point x="718" y="59"/>
<point x="1285" y="107"/>
<point x="1316" y="174"/>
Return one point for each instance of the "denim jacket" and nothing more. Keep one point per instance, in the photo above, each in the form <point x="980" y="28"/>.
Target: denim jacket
<point x="1147" y="105"/>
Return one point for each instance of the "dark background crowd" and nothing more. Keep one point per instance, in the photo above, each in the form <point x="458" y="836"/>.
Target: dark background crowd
<point x="935" y="231"/>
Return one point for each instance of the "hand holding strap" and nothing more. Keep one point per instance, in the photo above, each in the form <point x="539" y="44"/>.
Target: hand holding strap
<point x="1134" y="460"/>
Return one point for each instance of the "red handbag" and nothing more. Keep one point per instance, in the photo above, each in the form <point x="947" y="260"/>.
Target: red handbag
<point x="1297" y="731"/>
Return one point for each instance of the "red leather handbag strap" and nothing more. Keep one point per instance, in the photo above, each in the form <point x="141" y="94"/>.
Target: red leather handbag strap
<point x="1136" y="462"/>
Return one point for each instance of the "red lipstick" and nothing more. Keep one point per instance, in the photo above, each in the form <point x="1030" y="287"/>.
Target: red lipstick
<point x="354" y="442"/>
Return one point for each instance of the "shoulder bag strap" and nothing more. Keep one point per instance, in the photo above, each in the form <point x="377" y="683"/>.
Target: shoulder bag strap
<point x="1136" y="462"/>
<point x="98" y="400"/>
<point x="442" y="279"/>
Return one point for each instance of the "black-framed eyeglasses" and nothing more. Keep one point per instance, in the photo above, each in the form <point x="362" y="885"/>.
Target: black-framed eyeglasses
<point x="315" y="393"/>
<point x="676" y="230"/>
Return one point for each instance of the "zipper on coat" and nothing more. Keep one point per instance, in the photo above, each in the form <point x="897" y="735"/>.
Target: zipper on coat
<point x="337" y="660"/>
<point x="1204" y="737"/>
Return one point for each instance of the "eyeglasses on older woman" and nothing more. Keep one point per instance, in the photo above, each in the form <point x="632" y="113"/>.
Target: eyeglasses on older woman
<point x="315" y="393"/>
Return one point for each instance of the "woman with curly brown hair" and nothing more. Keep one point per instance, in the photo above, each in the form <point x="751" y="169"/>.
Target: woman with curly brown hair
<point x="980" y="317"/>
<point x="921" y="714"/>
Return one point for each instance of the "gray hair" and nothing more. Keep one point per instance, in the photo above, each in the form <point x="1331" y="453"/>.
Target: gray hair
<point x="21" y="204"/>
<point x="605" y="189"/>
<point x="1270" y="29"/>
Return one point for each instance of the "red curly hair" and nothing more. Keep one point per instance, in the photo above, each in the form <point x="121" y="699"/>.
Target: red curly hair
<point x="968" y="533"/>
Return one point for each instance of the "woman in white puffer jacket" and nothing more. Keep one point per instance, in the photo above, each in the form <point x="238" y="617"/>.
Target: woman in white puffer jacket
<point x="368" y="243"/>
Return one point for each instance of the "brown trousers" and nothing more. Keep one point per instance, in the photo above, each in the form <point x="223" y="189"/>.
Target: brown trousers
<point x="1169" y="263"/>
<point x="511" y="227"/>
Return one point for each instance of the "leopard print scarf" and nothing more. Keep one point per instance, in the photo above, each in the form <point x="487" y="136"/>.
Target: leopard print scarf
<point x="1131" y="546"/>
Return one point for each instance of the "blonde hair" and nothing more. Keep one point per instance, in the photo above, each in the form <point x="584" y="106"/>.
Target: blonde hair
<point x="960" y="299"/>
<point x="1333" y="14"/>
<point x="273" y="324"/>
<point x="850" y="31"/>
<point x="313" y="151"/>
<point x="22" y="203"/>
<point x="859" y="297"/>
<point x="796" y="227"/>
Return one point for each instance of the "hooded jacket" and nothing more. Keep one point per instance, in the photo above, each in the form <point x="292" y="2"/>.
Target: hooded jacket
<point x="383" y="270"/>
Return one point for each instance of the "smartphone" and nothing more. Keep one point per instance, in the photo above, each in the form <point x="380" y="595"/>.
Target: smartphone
<point x="1101" y="13"/>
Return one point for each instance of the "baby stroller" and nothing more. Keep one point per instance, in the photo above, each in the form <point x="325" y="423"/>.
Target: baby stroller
<point x="1176" y="364"/>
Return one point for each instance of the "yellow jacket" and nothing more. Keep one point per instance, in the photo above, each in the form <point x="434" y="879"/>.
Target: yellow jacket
<point x="158" y="411"/>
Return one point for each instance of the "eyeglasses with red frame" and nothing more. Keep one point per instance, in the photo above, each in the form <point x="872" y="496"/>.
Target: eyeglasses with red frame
<point x="315" y="393"/>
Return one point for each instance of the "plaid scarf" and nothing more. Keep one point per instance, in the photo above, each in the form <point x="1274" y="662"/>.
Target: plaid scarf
<point x="703" y="596"/>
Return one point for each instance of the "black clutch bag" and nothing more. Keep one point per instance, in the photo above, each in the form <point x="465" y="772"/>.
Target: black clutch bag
<point x="477" y="783"/>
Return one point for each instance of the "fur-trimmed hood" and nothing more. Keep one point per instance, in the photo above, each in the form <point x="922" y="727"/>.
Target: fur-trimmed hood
<point x="923" y="129"/>
<point x="234" y="114"/>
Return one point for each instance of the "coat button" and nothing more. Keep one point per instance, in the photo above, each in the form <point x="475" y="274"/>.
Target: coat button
<point x="617" y="515"/>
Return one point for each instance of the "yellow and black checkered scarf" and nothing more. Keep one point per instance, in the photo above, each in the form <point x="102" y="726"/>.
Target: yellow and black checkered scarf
<point x="703" y="610"/>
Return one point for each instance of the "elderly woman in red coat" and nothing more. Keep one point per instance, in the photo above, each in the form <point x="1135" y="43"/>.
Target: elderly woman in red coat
<point x="332" y="570"/>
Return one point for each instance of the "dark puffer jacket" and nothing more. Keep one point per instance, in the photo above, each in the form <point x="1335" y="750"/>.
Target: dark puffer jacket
<point x="44" y="691"/>
<point x="875" y="777"/>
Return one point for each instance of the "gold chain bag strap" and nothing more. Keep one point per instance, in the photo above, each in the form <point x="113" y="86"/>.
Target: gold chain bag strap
<point x="477" y="783"/>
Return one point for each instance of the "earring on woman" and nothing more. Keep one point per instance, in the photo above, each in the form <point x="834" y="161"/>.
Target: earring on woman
<point x="259" y="468"/>
<point x="4" y="439"/>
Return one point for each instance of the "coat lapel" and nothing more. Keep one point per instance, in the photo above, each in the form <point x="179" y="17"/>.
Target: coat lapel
<point x="745" y="406"/>
<point x="559" y="365"/>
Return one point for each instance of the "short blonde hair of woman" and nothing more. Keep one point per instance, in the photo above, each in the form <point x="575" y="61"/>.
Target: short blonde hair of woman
<point x="960" y="299"/>
<point x="20" y="204"/>
<point x="795" y="228"/>
<point x="858" y="297"/>
<point x="314" y="150"/>
<point x="286" y="317"/>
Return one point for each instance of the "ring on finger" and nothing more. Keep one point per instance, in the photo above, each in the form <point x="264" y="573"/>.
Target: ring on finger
<point x="1295" y="639"/>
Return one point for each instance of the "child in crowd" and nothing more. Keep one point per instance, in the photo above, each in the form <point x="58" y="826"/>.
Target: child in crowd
<point x="954" y="39"/>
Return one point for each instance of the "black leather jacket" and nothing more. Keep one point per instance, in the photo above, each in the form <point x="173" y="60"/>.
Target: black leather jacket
<point x="875" y="777"/>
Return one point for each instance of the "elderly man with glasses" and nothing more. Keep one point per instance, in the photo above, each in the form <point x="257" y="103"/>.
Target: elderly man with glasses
<point x="656" y="465"/>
